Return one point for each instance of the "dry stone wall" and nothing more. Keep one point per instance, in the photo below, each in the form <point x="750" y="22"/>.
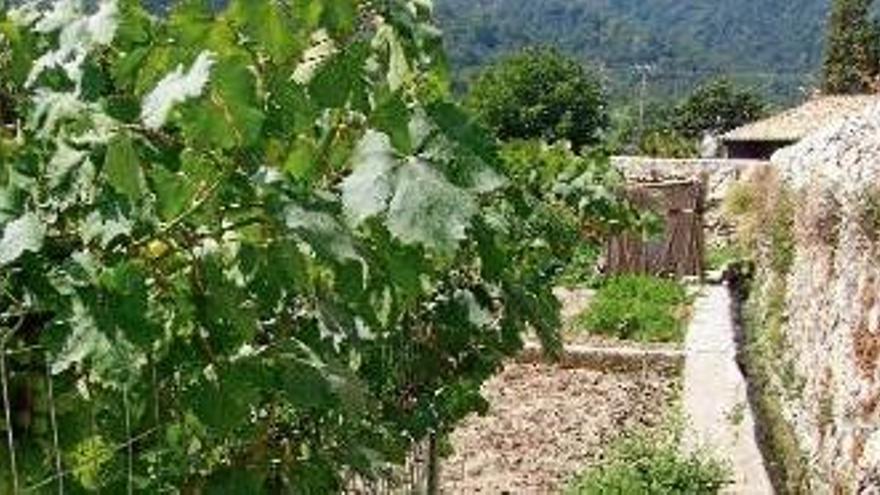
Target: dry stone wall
<point x="718" y="175"/>
<point x="828" y="372"/>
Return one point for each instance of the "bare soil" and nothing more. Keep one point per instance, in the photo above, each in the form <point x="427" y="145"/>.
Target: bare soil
<point x="547" y="424"/>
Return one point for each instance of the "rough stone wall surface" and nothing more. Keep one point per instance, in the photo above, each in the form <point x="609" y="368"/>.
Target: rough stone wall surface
<point x="718" y="174"/>
<point x="832" y="310"/>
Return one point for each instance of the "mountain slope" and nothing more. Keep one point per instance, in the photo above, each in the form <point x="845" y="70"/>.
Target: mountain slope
<point x="776" y="44"/>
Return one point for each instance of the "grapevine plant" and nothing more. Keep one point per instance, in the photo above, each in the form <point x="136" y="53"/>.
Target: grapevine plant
<point x="249" y="250"/>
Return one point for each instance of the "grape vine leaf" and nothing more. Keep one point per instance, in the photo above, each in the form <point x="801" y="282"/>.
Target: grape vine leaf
<point x="175" y="88"/>
<point x="229" y="115"/>
<point x="427" y="209"/>
<point x="269" y="24"/>
<point x="122" y="167"/>
<point x="84" y="340"/>
<point x="327" y="236"/>
<point x="341" y="78"/>
<point x="26" y="233"/>
<point x="302" y="161"/>
<point x="174" y="191"/>
<point x="366" y="191"/>
<point x="392" y="117"/>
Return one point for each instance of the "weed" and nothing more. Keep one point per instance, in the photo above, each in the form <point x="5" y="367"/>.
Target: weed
<point x="737" y="414"/>
<point x="638" y="307"/>
<point x="581" y="270"/>
<point x="720" y="257"/>
<point x="786" y="462"/>
<point x="782" y="242"/>
<point x="651" y="463"/>
<point x="869" y="214"/>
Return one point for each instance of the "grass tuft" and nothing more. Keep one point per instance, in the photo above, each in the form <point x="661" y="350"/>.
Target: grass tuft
<point x="640" y="308"/>
<point x="651" y="463"/>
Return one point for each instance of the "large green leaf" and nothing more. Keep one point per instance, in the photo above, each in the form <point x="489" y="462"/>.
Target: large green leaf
<point x="427" y="209"/>
<point x="341" y="79"/>
<point x="269" y="24"/>
<point x="365" y="193"/>
<point x="122" y="167"/>
<point x="228" y="115"/>
<point x="302" y="160"/>
<point x="226" y="311"/>
<point x="339" y="16"/>
<point x="323" y="232"/>
<point x="174" y="192"/>
<point x="85" y="339"/>
<point x="392" y="117"/>
<point x="127" y="301"/>
<point x="24" y="234"/>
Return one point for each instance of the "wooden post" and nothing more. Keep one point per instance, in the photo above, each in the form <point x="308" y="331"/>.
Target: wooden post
<point x="433" y="466"/>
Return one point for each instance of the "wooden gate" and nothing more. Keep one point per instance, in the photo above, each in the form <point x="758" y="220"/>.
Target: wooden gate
<point x="679" y="249"/>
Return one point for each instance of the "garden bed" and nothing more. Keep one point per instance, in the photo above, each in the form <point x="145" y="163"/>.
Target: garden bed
<point x="575" y="302"/>
<point x="546" y="424"/>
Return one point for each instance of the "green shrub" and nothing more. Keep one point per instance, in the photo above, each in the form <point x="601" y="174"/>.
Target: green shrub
<point x="649" y="464"/>
<point x="581" y="269"/>
<point x="668" y="143"/>
<point x="782" y="242"/>
<point x="638" y="307"/>
<point x="719" y="257"/>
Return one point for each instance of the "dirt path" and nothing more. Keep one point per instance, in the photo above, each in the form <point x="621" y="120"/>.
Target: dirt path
<point x="715" y="395"/>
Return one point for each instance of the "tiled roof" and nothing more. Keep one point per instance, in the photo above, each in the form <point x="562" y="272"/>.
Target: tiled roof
<point x="795" y="123"/>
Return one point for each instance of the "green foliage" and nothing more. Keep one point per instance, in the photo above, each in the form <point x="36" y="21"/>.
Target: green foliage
<point x="586" y="184"/>
<point x="652" y="464"/>
<point x="649" y="130"/>
<point x="717" y="107"/>
<point x="667" y="143"/>
<point x="722" y="256"/>
<point x="869" y="213"/>
<point x="763" y="317"/>
<point x="638" y="307"/>
<point x="852" y="49"/>
<point x="575" y="198"/>
<point x="674" y="130"/>
<point x="257" y="241"/>
<point x="775" y="45"/>
<point x="781" y="233"/>
<point x="540" y="94"/>
<point x="581" y="270"/>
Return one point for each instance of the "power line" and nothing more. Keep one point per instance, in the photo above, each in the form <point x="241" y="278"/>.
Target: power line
<point x="661" y="72"/>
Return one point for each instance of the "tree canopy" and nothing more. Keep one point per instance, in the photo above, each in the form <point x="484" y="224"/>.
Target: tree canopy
<point x="852" y="50"/>
<point x="717" y="107"/>
<point x="540" y="94"/>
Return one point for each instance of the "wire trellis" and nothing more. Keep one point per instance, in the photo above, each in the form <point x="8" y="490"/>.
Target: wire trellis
<point x="60" y="473"/>
<point x="418" y="475"/>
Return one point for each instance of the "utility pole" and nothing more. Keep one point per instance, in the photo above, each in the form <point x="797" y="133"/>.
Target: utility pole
<point x="644" y="70"/>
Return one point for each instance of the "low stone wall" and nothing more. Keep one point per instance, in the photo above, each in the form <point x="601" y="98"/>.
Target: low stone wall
<point x="718" y="174"/>
<point x="816" y="303"/>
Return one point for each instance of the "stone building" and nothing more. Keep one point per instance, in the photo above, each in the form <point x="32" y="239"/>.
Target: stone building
<point x="759" y="140"/>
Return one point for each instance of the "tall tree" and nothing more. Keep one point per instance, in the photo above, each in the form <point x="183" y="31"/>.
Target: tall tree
<point x="540" y="94"/>
<point x="852" y="51"/>
<point x="717" y="107"/>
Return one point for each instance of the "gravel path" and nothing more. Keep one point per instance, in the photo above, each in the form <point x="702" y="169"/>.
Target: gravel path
<point x="546" y="424"/>
<point x="715" y="395"/>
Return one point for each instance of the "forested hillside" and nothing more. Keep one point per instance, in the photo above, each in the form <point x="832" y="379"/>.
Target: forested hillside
<point x="774" y="44"/>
